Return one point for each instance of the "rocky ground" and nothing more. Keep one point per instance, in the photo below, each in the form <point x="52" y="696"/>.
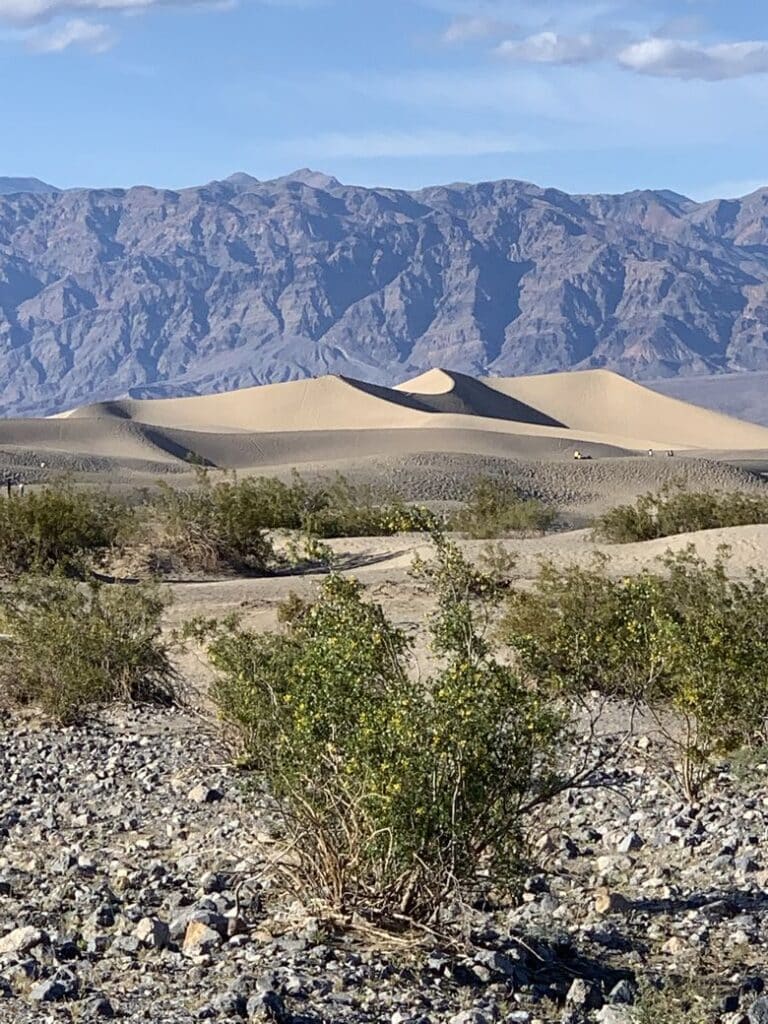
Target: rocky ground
<point x="133" y="886"/>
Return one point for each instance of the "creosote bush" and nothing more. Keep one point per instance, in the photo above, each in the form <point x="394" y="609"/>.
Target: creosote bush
<point x="396" y="791"/>
<point x="68" y="649"/>
<point x="686" y="643"/>
<point x="674" y="511"/>
<point x="224" y="525"/>
<point x="210" y="527"/>
<point x="61" y="528"/>
<point x="494" y="509"/>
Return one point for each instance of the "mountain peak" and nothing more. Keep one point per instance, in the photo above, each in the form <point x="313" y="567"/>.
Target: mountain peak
<point x="10" y="186"/>
<point x="315" y="179"/>
<point x="242" y="179"/>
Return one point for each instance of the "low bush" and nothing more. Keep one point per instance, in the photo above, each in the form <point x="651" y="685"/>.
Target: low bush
<point x="70" y="648"/>
<point x="225" y="525"/>
<point x="677" y="511"/>
<point x="494" y="509"/>
<point x="341" y="509"/>
<point x="686" y="642"/>
<point x="58" y="527"/>
<point x="397" y="791"/>
<point x="210" y="528"/>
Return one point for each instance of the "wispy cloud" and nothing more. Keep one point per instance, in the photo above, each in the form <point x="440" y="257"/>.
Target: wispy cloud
<point x="662" y="57"/>
<point x="670" y="58"/>
<point x="464" y="30"/>
<point x="551" y="48"/>
<point x="78" y="33"/>
<point x="23" y="12"/>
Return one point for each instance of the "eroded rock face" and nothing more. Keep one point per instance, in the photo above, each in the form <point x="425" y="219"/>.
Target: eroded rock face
<point x="242" y="282"/>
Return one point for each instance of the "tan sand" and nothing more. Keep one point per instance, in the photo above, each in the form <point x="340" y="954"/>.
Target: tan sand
<point x="330" y="419"/>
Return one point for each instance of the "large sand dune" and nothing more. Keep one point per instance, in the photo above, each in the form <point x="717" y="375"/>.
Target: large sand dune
<point x="321" y="422"/>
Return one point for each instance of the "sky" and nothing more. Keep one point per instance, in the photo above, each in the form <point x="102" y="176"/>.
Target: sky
<point x="582" y="95"/>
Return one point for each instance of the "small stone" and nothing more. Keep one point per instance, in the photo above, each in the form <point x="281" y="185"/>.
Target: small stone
<point x="153" y="933"/>
<point x="230" y="1004"/>
<point x="266" y="1005"/>
<point x="21" y="940"/>
<point x="582" y="995"/>
<point x="611" y="903"/>
<point x="674" y="946"/>
<point x="99" y="1006"/>
<point x="49" y="991"/>
<point x="200" y="939"/>
<point x="615" y="1015"/>
<point x="622" y="994"/>
<point x="201" y="794"/>
<point x="630" y="843"/>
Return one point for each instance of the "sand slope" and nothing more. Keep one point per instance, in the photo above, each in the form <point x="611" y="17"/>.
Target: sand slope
<point x="334" y="418"/>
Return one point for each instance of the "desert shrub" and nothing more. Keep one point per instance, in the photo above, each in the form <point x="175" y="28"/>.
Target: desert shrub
<point x="210" y="527"/>
<point x="679" y="1001"/>
<point x="58" y="527"/>
<point x="224" y="525"/>
<point x="686" y="642"/>
<point x="677" y="511"/>
<point x="344" y="510"/>
<point x="494" y="509"/>
<point x="396" y="790"/>
<point x="70" y="648"/>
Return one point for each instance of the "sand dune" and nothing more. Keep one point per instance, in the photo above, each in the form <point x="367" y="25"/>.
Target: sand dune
<point x="334" y="418"/>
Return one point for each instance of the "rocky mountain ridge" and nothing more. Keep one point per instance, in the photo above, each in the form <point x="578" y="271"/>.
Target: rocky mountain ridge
<point x="158" y="292"/>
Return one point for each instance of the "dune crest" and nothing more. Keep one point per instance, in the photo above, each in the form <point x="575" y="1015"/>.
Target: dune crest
<point x="334" y="417"/>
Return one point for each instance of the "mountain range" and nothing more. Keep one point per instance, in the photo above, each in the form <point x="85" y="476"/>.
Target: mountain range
<point x="152" y="292"/>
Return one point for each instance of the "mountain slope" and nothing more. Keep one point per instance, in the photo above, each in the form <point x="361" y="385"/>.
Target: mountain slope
<point x="153" y="292"/>
<point x="8" y="186"/>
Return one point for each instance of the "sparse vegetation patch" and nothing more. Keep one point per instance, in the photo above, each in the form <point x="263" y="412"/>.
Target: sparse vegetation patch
<point x="494" y="509"/>
<point x="60" y="528"/>
<point x="674" y="511"/>
<point x="397" y="792"/>
<point x="685" y="642"/>
<point x="68" y="648"/>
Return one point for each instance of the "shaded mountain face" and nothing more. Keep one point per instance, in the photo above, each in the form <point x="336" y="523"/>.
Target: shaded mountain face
<point x="240" y="282"/>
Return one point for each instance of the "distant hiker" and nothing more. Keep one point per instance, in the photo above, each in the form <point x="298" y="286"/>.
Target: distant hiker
<point x="650" y="452"/>
<point x="8" y="485"/>
<point x="20" y="486"/>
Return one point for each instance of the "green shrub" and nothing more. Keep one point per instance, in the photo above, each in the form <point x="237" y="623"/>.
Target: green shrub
<point x="344" y="510"/>
<point x="494" y="509"/>
<point x="59" y="528"/>
<point x="225" y="525"/>
<point x="686" y="642"/>
<point x="396" y="790"/>
<point x="210" y="528"/>
<point x="70" y="648"/>
<point x="676" y="511"/>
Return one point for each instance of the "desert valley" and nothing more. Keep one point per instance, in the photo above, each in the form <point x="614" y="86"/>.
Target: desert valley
<point x="147" y="873"/>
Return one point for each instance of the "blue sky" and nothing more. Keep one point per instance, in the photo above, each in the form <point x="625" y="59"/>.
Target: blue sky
<point x="584" y="95"/>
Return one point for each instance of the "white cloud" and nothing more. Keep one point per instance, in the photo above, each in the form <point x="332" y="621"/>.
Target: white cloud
<point x="464" y="30"/>
<point x="551" y="48"/>
<point x="90" y="35"/>
<point x="378" y="145"/>
<point x="669" y="58"/>
<point x="31" y="11"/>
